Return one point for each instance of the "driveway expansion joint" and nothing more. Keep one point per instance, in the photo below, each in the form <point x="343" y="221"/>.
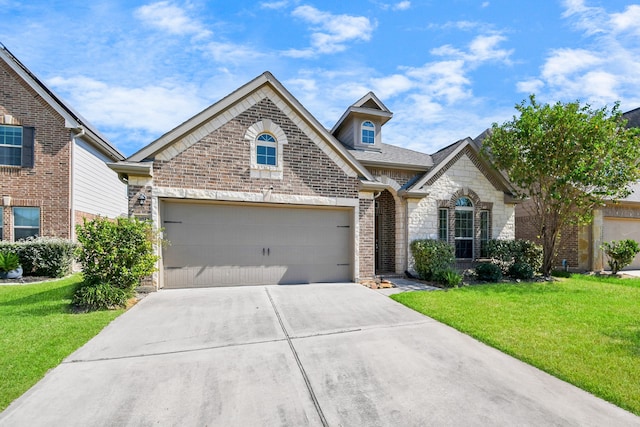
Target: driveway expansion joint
<point x="305" y="377"/>
<point x="164" y="353"/>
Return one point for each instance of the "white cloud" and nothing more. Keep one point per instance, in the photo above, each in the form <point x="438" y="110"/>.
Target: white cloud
<point x="275" y="5"/>
<point x="150" y="110"/>
<point x="485" y="4"/>
<point x="393" y="85"/>
<point x="530" y="86"/>
<point x="629" y="20"/>
<point x="603" y="72"/>
<point x="171" y="18"/>
<point x="331" y="33"/>
<point x="482" y="48"/>
<point x="231" y="53"/>
<point x="403" y="5"/>
<point x="565" y="62"/>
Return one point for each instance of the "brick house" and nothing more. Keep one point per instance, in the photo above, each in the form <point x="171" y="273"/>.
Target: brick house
<point x="52" y="162"/>
<point x="254" y="190"/>
<point x="579" y="246"/>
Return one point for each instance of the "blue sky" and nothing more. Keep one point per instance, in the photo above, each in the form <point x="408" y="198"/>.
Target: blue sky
<point x="447" y="69"/>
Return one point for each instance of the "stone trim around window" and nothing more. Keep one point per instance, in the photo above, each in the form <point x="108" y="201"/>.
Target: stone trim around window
<point x="252" y="133"/>
<point x="478" y="207"/>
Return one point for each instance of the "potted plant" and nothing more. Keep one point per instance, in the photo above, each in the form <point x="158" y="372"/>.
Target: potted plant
<point x="10" y="267"/>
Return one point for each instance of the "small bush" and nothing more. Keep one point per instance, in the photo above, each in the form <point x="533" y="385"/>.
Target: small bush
<point x="506" y="253"/>
<point x="521" y="271"/>
<point x="560" y="273"/>
<point x="114" y="253"/>
<point x="488" y="272"/>
<point x="431" y="256"/>
<point x="620" y="253"/>
<point x="448" y="278"/>
<point x="43" y="256"/>
<point x="101" y="297"/>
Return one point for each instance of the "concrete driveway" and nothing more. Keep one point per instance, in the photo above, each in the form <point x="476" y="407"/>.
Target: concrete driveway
<point x="332" y="354"/>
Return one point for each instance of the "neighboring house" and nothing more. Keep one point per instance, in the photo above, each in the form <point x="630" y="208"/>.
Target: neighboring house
<point x="579" y="247"/>
<point x="254" y="190"/>
<point x="52" y="162"/>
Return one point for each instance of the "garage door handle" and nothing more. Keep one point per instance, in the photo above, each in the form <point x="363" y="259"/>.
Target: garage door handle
<point x="262" y="251"/>
<point x="268" y="251"/>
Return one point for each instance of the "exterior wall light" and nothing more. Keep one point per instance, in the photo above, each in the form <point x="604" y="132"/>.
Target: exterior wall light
<point x="141" y="199"/>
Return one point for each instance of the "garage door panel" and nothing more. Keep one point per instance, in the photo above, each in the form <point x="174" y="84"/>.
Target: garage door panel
<point x="621" y="229"/>
<point x="214" y="244"/>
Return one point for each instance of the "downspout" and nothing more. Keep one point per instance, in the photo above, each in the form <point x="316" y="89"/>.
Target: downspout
<point x="72" y="204"/>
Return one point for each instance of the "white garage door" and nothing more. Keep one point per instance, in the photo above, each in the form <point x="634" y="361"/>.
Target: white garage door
<point x="621" y="229"/>
<point x="226" y="244"/>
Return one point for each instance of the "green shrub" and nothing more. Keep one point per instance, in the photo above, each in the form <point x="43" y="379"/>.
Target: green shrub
<point x="448" y="278"/>
<point x="43" y="256"/>
<point x="488" y="272"/>
<point x="521" y="271"/>
<point x="101" y="297"/>
<point x="431" y="256"/>
<point x="620" y="254"/>
<point x="506" y="253"/>
<point x="116" y="253"/>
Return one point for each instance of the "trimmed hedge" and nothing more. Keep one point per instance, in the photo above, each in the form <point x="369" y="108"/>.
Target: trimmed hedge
<point x="522" y="254"/>
<point x="43" y="256"/>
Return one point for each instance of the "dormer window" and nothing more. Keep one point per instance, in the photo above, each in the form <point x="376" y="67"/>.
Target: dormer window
<point x="266" y="150"/>
<point x="368" y="132"/>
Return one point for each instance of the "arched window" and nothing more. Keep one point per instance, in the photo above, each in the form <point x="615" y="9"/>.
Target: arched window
<point x="464" y="228"/>
<point x="266" y="149"/>
<point x="368" y="132"/>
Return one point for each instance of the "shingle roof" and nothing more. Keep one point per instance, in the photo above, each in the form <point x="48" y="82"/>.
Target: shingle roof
<point x="394" y="156"/>
<point x="633" y="118"/>
<point x="443" y="153"/>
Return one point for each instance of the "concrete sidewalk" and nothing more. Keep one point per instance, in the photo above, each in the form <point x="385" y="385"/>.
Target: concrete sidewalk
<point x="331" y="354"/>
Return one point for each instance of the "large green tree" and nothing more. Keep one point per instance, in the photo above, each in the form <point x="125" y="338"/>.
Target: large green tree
<point x="567" y="159"/>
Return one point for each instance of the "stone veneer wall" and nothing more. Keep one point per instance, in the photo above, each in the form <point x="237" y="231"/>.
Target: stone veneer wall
<point x="460" y="177"/>
<point x="366" y="242"/>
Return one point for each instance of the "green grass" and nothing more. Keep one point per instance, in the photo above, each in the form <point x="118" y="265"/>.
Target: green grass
<point x="38" y="330"/>
<point x="584" y="330"/>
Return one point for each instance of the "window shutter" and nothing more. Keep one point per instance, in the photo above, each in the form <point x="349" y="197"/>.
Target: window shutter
<point x="28" y="138"/>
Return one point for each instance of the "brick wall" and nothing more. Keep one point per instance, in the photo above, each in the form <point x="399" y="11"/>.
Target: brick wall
<point x="386" y="232"/>
<point x="47" y="184"/>
<point x="399" y="176"/>
<point x="221" y="161"/>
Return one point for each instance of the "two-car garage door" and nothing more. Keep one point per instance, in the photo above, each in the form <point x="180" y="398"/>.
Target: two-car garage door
<point x="239" y="244"/>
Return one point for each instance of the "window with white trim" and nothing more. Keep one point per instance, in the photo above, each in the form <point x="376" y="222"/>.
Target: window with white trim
<point x="26" y="223"/>
<point x="266" y="150"/>
<point x="464" y="228"/>
<point x="368" y="135"/>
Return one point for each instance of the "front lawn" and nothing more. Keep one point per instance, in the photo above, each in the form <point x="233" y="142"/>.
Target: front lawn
<point x="584" y="330"/>
<point x="38" y="330"/>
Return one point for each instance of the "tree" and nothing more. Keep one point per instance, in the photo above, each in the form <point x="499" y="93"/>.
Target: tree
<point x="568" y="159"/>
